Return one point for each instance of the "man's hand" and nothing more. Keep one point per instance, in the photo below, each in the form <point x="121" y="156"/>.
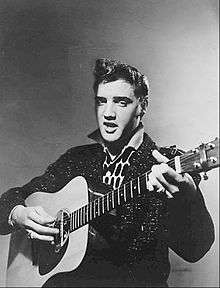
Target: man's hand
<point x="165" y="179"/>
<point x="35" y="221"/>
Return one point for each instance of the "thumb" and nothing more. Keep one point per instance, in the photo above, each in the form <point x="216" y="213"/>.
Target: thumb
<point x="43" y="213"/>
<point x="159" y="157"/>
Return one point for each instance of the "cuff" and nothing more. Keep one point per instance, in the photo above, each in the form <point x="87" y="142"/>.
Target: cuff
<point x="10" y="220"/>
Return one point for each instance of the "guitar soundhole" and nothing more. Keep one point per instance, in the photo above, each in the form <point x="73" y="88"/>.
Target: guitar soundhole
<point x="63" y="224"/>
<point x="51" y="255"/>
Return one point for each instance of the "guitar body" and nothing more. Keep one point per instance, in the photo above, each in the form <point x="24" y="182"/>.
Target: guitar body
<point x="31" y="262"/>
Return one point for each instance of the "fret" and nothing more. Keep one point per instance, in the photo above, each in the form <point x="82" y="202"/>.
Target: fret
<point x="83" y="216"/>
<point x="118" y="193"/>
<point x="124" y="193"/>
<point x="98" y="200"/>
<point x="71" y="221"/>
<point x="131" y="190"/>
<point x="90" y="211"/>
<point x="138" y="186"/>
<point x="113" y="199"/>
<point x="74" y="217"/>
<point x="87" y="213"/>
<point x="98" y="207"/>
<point x="103" y="204"/>
<point x="94" y="208"/>
<point x="107" y="199"/>
<point x="78" y="217"/>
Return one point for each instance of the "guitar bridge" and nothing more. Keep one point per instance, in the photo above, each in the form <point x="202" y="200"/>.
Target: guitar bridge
<point x="62" y="222"/>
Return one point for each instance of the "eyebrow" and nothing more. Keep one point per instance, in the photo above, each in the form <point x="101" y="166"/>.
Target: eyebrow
<point x="118" y="98"/>
<point x="122" y="98"/>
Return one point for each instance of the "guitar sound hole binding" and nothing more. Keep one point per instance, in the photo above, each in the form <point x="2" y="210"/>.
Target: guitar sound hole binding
<point x="62" y="222"/>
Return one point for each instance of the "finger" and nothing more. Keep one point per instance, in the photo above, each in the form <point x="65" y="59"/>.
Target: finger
<point x="40" y="229"/>
<point x="169" y="195"/>
<point x="173" y="176"/>
<point x="149" y="187"/>
<point x="159" y="157"/>
<point x="158" y="171"/>
<point x="155" y="183"/>
<point x="188" y="178"/>
<point x="39" y="218"/>
<point x="35" y="235"/>
<point x="40" y="210"/>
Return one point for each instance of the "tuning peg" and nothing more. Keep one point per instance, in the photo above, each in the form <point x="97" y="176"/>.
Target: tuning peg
<point x="195" y="150"/>
<point x="213" y="160"/>
<point x="205" y="176"/>
<point x="211" y="145"/>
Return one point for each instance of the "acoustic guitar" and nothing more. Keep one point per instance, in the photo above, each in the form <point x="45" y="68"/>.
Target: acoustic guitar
<point x="32" y="262"/>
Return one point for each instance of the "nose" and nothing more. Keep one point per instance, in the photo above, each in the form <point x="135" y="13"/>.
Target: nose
<point x="109" y="112"/>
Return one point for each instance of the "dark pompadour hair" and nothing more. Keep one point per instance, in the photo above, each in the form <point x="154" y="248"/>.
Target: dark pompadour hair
<point x="109" y="70"/>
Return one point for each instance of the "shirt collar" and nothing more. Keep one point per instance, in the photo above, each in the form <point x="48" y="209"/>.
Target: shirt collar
<point x="134" y="142"/>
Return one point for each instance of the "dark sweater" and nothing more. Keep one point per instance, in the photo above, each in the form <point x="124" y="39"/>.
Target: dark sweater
<point x="130" y="249"/>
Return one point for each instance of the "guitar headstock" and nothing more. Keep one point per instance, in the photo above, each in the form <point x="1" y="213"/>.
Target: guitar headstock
<point x="203" y="158"/>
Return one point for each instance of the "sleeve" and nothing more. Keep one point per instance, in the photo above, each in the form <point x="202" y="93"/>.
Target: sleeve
<point x="52" y="180"/>
<point x="190" y="229"/>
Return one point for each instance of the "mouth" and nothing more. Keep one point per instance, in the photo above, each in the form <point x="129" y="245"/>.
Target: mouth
<point x="110" y="124"/>
<point x="110" y="127"/>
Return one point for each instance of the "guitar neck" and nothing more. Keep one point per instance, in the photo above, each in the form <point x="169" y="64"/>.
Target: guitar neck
<point x="203" y="158"/>
<point x="109" y="201"/>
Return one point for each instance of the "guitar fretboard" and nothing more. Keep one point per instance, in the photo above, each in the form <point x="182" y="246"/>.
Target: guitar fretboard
<point x="109" y="201"/>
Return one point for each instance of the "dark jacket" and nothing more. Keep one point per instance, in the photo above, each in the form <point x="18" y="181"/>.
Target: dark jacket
<point x="131" y="249"/>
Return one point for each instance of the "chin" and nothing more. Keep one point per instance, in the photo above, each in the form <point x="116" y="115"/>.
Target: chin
<point x="108" y="137"/>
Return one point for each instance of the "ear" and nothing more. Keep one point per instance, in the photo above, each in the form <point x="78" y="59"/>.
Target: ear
<point x="141" y="110"/>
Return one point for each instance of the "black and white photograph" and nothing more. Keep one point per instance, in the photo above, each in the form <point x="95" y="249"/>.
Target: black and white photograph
<point x="109" y="143"/>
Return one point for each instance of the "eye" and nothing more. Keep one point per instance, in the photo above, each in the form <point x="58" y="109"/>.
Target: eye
<point x="100" y="100"/>
<point x="123" y="103"/>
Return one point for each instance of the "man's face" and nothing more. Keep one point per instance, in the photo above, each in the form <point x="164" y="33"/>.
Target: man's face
<point x="117" y="109"/>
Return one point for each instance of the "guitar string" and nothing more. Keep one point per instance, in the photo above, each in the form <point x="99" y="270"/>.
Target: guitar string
<point x="141" y="177"/>
<point x="92" y="204"/>
<point x="104" y="197"/>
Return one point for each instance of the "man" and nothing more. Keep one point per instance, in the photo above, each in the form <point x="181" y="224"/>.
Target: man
<point x="129" y="245"/>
